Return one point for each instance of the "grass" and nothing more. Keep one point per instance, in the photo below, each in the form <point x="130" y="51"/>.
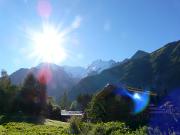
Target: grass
<point x="23" y="128"/>
<point x="54" y="127"/>
<point x="56" y="123"/>
<point x="10" y="126"/>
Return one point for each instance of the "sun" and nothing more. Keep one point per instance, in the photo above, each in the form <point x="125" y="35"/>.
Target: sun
<point x="47" y="45"/>
<point x="49" y="42"/>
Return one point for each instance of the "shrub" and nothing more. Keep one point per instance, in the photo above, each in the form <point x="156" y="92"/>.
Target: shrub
<point x="2" y="130"/>
<point x="110" y="128"/>
<point x="108" y="106"/>
<point x="75" y="124"/>
<point x="86" y="128"/>
<point x="99" y="129"/>
<point x="53" y="112"/>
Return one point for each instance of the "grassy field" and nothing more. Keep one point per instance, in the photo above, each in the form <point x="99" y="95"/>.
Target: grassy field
<point x="53" y="127"/>
<point x="22" y="128"/>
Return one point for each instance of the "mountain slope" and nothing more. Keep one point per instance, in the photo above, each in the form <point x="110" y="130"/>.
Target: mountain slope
<point x="159" y="70"/>
<point x="75" y="72"/>
<point x="139" y="54"/>
<point x="59" y="82"/>
<point x="19" y="76"/>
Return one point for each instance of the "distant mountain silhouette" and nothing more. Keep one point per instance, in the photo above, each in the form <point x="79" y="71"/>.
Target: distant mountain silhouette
<point x="75" y="72"/>
<point x="159" y="71"/>
<point x="60" y="81"/>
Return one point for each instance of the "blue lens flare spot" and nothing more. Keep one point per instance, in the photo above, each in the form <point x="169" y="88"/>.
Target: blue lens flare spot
<point x="141" y="100"/>
<point x="137" y="96"/>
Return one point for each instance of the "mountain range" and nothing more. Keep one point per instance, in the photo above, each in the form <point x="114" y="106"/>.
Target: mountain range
<point x="158" y="71"/>
<point x="63" y="78"/>
<point x="95" y="67"/>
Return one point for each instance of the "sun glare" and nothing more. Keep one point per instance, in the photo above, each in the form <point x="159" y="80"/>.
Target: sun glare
<point x="48" y="45"/>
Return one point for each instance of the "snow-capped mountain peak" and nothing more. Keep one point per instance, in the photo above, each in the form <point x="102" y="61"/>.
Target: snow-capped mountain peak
<point x="100" y="65"/>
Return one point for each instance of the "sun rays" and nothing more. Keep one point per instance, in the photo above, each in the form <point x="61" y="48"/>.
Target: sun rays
<point x="48" y="43"/>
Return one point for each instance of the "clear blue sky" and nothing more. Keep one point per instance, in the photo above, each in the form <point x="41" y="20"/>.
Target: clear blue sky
<point x="107" y="29"/>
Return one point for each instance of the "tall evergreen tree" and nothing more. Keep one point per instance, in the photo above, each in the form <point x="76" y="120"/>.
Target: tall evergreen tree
<point x="5" y="80"/>
<point x="83" y="100"/>
<point x="8" y="93"/>
<point x="33" y="96"/>
<point x="64" y="103"/>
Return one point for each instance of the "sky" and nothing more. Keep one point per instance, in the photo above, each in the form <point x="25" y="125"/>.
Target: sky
<point x="87" y="30"/>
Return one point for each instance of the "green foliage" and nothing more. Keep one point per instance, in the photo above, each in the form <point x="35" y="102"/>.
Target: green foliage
<point x="106" y="106"/>
<point x="8" y="93"/>
<point x="96" y="110"/>
<point x="19" y="117"/>
<point x="22" y="128"/>
<point x="141" y="131"/>
<point x="64" y="102"/>
<point x="52" y="127"/>
<point x="5" y="80"/>
<point x="32" y="98"/>
<point x="74" y="106"/>
<point x="109" y="128"/>
<point x="86" y="128"/>
<point x="83" y="100"/>
<point x="53" y="111"/>
<point x="75" y="125"/>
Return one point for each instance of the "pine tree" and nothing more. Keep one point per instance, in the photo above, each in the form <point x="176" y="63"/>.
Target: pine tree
<point x="33" y="96"/>
<point x="64" y="103"/>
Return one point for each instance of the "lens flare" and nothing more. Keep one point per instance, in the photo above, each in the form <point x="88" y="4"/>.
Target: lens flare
<point x="167" y="116"/>
<point x="140" y="99"/>
<point x="137" y="96"/>
<point x="44" y="75"/>
<point x="44" y="8"/>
